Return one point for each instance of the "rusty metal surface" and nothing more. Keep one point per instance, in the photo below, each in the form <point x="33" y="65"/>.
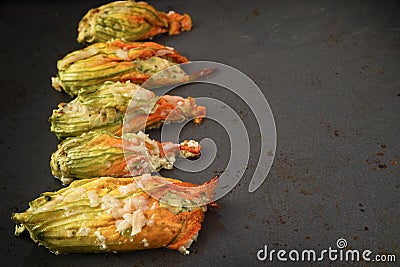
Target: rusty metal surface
<point x="331" y="73"/>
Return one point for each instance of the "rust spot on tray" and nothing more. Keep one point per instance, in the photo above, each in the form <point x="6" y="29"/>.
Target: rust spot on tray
<point x="382" y="166"/>
<point x="330" y="129"/>
<point x="379" y="162"/>
<point x="309" y="192"/>
<point x="254" y="14"/>
<point x="336" y="132"/>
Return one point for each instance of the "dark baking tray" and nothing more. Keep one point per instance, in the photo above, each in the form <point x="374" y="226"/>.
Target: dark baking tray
<point x="331" y="73"/>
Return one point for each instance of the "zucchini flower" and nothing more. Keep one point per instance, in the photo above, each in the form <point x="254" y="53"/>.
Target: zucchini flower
<point x="96" y="154"/>
<point x="129" y="21"/>
<point x="116" y="61"/>
<point x="117" y="214"/>
<point x="102" y="107"/>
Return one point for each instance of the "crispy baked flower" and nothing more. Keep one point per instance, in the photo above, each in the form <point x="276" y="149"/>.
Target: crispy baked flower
<point x="116" y="61"/>
<point x="117" y="214"/>
<point x="97" y="153"/>
<point x="130" y="21"/>
<point x="102" y="107"/>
